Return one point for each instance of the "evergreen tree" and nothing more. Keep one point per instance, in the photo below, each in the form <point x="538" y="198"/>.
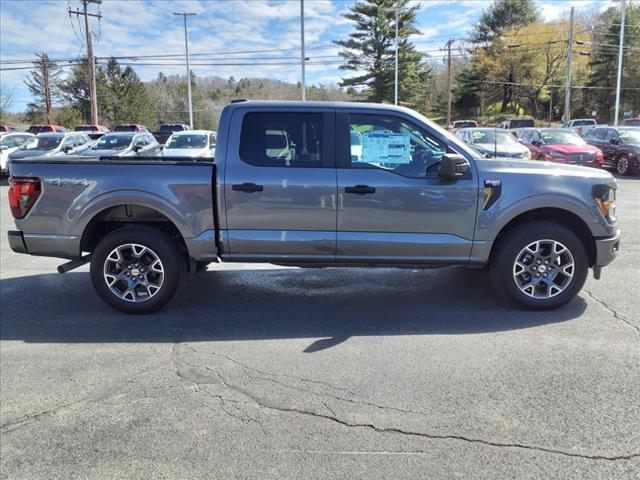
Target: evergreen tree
<point x="371" y="48"/>
<point x="44" y="84"/>
<point x="504" y="14"/>
<point x="75" y="88"/>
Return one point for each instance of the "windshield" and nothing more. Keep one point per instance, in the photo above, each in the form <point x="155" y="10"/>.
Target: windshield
<point x="632" y="137"/>
<point x="579" y="123"/>
<point x="171" y="128"/>
<point x="187" y="141"/>
<point x="86" y="128"/>
<point x="558" y="137"/>
<point x="113" y="142"/>
<point x="522" y="123"/>
<point x="39" y="129"/>
<point x="125" y="128"/>
<point x="466" y="124"/>
<point x="41" y="142"/>
<point x="633" y="122"/>
<point x="492" y="136"/>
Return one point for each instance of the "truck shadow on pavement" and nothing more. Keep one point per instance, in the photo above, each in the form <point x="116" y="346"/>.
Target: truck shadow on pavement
<point x="330" y="305"/>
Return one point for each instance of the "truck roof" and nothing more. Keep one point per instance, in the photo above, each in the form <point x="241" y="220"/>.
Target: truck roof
<point x="316" y="104"/>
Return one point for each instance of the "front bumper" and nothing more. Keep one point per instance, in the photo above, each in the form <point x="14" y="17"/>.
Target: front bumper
<point x="607" y="249"/>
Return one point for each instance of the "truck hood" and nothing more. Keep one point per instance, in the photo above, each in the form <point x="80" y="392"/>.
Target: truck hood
<point x="566" y="149"/>
<point x="107" y="152"/>
<point x="537" y="167"/>
<point x="507" y="148"/>
<point x="185" y="152"/>
<point x="28" y="153"/>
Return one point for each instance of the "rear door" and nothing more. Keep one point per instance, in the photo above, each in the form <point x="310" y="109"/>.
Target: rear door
<point x="392" y="205"/>
<point x="280" y="185"/>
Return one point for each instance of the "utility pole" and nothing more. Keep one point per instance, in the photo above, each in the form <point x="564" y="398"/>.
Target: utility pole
<point x="395" y="83"/>
<point x="44" y="67"/>
<point x="620" y="55"/>
<point x="186" y="49"/>
<point x="567" y="86"/>
<point x="302" y="57"/>
<point x="90" y="59"/>
<point x="448" y="47"/>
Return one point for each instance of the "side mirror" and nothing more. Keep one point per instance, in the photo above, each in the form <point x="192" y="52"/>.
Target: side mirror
<point x="613" y="141"/>
<point x="453" y="166"/>
<point x="137" y="148"/>
<point x="3" y="147"/>
<point x="67" y="148"/>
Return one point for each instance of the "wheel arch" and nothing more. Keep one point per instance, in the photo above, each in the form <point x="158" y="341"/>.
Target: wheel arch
<point x="554" y="215"/>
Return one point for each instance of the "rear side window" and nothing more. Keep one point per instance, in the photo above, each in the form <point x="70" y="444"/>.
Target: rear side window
<point x="282" y="139"/>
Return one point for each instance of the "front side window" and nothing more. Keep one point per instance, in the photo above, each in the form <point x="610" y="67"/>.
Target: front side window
<point x="611" y="135"/>
<point x="395" y="145"/>
<point x="282" y="139"/>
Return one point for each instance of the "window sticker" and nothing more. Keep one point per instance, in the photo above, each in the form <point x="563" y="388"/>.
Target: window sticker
<point x="384" y="148"/>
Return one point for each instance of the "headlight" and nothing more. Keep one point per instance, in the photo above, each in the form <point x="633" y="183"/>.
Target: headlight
<point x="605" y="198"/>
<point x="556" y="154"/>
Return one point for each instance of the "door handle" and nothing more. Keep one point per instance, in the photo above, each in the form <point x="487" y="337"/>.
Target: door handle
<point x="247" y="187"/>
<point x="360" y="189"/>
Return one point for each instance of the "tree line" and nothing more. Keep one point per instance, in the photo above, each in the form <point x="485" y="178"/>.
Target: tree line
<point x="510" y="63"/>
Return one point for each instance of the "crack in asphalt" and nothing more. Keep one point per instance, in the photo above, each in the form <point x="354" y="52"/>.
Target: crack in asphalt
<point x="613" y="311"/>
<point x="103" y="394"/>
<point x="269" y="405"/>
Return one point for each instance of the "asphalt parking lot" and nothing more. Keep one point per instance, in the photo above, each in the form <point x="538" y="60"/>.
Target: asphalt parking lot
<point x="269" y="373"/>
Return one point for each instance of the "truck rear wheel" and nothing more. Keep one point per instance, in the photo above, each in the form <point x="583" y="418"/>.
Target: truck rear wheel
<point x="137" y="269"/>
<point x="539" y="265"/>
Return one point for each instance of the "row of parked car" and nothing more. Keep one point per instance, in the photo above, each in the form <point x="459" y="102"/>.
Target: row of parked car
<point x="135" y="142"/>
<point x="601" y="145"/>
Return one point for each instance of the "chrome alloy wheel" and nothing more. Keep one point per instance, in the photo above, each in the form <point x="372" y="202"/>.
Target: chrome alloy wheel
<point x="133" y="272"/>
<point x="543" y="269"/>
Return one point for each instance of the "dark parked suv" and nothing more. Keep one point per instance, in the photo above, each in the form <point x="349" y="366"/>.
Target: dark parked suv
<point x="620" y="147"/>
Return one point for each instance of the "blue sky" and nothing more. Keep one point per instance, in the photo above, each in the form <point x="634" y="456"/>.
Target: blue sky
<point x="147" y="27"/>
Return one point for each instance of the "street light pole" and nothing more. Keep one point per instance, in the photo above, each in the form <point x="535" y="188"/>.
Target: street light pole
<point x="395" y="95"/>
<point x="620" y="55"/>
<point x="302" y="56"/>
<point x="186" y="48"/>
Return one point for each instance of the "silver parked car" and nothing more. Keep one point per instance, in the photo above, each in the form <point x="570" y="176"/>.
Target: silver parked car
<point x="125" y="144"/>
<point x="493" y="142"/>
<point x="53" y="145"/>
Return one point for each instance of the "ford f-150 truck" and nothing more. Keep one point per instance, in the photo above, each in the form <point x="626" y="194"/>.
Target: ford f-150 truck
<point x="405" y="193"/>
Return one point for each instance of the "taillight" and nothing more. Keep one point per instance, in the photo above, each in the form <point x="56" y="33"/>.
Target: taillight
<point x="23" y="193"/>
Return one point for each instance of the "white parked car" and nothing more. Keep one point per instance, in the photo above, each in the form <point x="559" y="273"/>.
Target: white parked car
<point x="191" y="143"/>
<point x="581" y="125"/>
<point x="9" y="143"/>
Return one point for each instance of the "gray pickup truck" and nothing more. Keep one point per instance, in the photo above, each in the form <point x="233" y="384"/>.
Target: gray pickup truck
<point x="317" y="185"/>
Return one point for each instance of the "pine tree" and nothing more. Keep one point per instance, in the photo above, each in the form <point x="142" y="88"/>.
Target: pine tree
<point x="371" y="48"/>
<point x="44" y="84"/>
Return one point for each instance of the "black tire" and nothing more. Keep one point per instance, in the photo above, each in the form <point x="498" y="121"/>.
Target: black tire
<point x="623" y="165"/>
<point x="162" y="246"/>
<point x="509" y="248"/>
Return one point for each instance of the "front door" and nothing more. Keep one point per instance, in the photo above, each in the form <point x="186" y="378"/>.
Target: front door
<point x="392" y="205"/>
<point x="280" y="186"/>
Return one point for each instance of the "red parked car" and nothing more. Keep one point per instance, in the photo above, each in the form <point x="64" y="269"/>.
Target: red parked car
<point x="9" y="128"/>
<point x="36" y="129"/>
<point x="560" y="146"/>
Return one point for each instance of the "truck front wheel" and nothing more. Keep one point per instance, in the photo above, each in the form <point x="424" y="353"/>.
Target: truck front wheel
<point x="137" y="269"/>
<point x="539" y="265"/>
